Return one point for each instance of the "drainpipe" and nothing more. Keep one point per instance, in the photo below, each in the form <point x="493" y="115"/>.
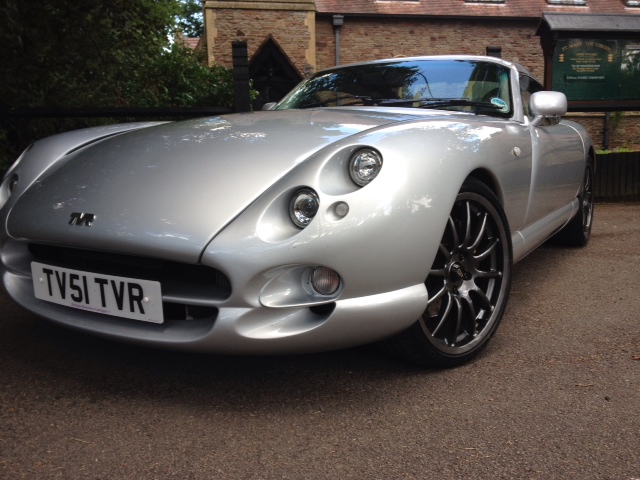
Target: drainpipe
<point x="338" y="21"/>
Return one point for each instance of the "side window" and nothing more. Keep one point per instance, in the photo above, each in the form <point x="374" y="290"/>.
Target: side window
<point x="528" y="86"/>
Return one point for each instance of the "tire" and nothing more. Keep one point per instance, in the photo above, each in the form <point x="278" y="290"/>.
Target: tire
<point x="577" y="232"/>
<point x="468" y="284"/>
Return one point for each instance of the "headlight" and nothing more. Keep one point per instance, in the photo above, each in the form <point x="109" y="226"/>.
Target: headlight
<point x="303" y="206"/>
<point x="364" y="166"/>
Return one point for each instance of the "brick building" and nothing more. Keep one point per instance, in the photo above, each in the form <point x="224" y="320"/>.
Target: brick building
<point x="290" y="39"/>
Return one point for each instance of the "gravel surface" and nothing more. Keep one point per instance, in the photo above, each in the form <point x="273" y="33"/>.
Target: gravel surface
<point x="556" y="395"/>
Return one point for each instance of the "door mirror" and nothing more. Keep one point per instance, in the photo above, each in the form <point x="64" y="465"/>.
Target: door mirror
<point x="269" y="106"/>
<point x="547" y="104"/>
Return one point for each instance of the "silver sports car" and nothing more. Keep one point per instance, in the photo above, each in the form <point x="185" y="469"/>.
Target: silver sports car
<point x="383" y="201"/>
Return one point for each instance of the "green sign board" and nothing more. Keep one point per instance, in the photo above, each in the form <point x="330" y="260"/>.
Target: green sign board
<point x="597" y="70"/>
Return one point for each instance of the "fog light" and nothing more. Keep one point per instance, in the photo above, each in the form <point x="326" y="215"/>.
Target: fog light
<point x="325" y="281"/>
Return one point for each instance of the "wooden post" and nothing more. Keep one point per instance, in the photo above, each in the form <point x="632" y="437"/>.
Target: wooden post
<point x="241" y="76"/>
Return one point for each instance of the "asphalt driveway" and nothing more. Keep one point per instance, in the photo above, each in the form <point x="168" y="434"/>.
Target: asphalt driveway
<point x="556" y="395"/>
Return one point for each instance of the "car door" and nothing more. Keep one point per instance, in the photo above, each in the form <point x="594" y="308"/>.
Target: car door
<point x="557" y="161"/>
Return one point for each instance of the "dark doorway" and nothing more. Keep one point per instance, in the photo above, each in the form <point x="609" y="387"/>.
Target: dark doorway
<point x="272" y="73"/>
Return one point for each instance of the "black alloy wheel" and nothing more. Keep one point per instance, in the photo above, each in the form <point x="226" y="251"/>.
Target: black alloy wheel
<point x="468" y="284"/>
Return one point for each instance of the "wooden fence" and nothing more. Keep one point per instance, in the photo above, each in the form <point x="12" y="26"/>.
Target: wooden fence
<point x="617" y="177"/>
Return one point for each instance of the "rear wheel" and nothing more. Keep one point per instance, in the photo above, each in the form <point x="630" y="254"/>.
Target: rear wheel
<point x="468" y="284"/>
<point x="578" y="231"/>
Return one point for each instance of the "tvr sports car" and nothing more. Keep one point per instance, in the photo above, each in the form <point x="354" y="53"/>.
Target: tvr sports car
<point x="382" y="201"/>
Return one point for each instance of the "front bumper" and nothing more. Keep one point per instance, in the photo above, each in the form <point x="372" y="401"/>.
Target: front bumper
<point x="257" y="330"/>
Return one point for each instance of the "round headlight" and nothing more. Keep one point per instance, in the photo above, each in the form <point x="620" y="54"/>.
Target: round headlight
<point x="364" y="166"/>
<point x="303" y="206"/>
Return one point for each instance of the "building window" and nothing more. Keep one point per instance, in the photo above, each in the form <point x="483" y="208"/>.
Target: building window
<point x="486" y="1"/>
<point x="576" y="3"/>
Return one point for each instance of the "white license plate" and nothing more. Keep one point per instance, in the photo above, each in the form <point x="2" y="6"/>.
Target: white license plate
<point x="106" y="294"/>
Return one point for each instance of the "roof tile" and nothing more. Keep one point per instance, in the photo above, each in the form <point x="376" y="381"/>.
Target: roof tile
<point x="467" y="8"/>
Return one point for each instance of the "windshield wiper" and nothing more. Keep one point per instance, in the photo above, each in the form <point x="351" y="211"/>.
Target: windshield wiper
<point x="365" y="100"/>
<point x="453" y="102"/>
<point x="418" y="102"/>
<point x="357" y="99"/>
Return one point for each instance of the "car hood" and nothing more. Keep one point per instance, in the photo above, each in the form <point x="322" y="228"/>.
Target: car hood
<point x="169" y="189"/>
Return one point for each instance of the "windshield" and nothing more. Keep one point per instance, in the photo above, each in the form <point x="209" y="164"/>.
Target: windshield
<point x="467" y="85"/>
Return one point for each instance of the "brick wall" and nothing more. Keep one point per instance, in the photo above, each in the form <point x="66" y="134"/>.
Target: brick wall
<point x="624" y="130"/>
<point x="308" y="39"/>
<point x="367" y="39"/>
<point x="627" y="133"/>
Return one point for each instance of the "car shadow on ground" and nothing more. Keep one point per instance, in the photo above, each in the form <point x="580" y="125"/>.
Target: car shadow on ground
<point x="69" y="361"/>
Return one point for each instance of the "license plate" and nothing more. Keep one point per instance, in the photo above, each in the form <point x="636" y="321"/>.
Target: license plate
<point x="106" y="294"/>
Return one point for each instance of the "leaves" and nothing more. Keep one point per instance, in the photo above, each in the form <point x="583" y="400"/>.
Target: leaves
<point x="190" y="20"/>
<point x="98" y="53"/>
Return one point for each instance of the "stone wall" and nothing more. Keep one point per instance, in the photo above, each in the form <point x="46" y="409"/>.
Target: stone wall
<point x="293" y="30"/>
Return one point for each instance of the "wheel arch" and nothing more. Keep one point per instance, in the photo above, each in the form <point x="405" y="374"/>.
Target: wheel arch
<point x="470" y="277"/>
<point x="485" y="176"/>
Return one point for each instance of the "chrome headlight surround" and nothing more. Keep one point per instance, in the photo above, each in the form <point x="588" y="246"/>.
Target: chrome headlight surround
<point x="365" y="165"/>
<point x="303" y="206"/>
<point x="7" y="187"/>
<point x="10" y="181"/>
<point x="302" y="286"/>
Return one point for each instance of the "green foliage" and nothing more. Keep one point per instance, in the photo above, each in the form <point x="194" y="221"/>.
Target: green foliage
<point x="190" y="20"/>
<point x="69" y="53"/>
<point x="97" y="53"/>
<point x="615" y="150"/>
<point x="178" y="78"/>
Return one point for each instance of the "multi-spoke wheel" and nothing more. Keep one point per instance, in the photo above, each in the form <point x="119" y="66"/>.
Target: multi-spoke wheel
<point x="468" y="284"/>
<point x="577" y="232"/>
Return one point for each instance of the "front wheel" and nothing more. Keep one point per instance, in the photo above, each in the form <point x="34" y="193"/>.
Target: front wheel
<point x="468" y="284"/>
